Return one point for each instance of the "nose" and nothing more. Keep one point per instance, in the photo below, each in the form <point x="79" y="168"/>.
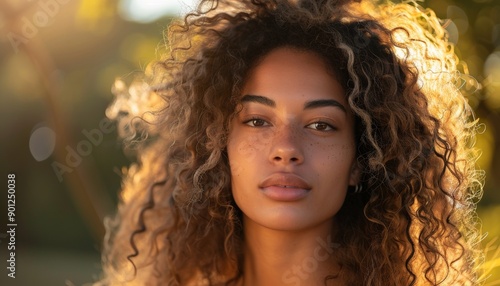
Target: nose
<point x="286" y="147"/>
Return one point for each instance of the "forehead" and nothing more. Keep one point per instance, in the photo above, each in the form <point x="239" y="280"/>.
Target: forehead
<point x="288" y="73"/>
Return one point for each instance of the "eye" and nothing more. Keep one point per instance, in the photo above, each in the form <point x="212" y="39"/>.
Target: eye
<point x="256" y="122"/>
<point x="321" y="126"/>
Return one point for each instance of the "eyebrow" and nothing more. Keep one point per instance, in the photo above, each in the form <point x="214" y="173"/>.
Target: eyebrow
<point x="259" y="99"/>
<point x="308" y="105"/>
<point x="324" y="102"/>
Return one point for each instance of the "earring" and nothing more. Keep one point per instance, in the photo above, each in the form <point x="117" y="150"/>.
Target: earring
<point x="358" y="188"/>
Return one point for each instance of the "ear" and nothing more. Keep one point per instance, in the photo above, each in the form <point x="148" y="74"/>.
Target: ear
<point x="355" y="175"/>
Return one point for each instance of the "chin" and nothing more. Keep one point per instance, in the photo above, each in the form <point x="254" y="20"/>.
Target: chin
<point x="286" y="219"/>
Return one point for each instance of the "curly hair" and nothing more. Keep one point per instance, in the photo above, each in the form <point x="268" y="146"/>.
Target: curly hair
<point x="414" y="221"/>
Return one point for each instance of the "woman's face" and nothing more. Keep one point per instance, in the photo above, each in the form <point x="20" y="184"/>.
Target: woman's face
<point x="291" y="147"/>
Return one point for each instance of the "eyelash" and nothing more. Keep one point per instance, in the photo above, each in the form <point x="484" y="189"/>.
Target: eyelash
<point x="331" y="127"/>
<point x="251" y="122"/>
<point x="247" y="122"/>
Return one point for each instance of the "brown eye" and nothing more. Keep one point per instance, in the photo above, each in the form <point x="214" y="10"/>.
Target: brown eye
<point x="256" y="122"/>
<point x="321" y="126"/>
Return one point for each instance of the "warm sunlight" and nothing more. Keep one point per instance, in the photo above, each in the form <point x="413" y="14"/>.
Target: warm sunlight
<point x="151" y="10"/>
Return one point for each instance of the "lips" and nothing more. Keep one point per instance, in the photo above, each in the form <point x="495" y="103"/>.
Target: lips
<point x="285" y="180"/>
<point x="285" y="187"/>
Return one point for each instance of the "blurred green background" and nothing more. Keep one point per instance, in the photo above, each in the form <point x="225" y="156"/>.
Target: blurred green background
<point x="58" y="60"/>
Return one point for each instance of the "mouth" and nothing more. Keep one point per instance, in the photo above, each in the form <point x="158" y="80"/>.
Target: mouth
<point x="285" y="180"/>
<point x="285" y="187"/>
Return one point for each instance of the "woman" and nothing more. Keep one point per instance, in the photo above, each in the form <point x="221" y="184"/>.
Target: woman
<point x="298" y="143"/>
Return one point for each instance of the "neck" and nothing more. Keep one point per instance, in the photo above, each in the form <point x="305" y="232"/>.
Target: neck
<point x="277" y="257"/>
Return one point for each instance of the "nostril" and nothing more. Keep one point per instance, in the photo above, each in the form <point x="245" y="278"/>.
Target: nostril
<point x="293" y="159"/>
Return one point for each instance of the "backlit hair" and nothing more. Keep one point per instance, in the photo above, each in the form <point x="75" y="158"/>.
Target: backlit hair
<point x="413" y="221"/>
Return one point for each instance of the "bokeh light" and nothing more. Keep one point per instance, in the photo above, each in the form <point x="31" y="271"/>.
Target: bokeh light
<point x="58" y="66"/>
<point x="152" y="10"/>
<point x="42" y="142"/>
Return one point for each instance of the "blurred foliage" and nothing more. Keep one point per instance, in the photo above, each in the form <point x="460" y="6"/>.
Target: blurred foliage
<point x="58" y="71"/>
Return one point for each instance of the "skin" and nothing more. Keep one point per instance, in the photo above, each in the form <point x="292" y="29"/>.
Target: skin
<point x="294" y="123"/>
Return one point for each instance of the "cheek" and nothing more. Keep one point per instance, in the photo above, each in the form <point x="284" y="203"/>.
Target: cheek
<point x="341" y="153"/>
<point x="235" y="163"/>
<point x="242" y="154"/>
<point x="333" y="162"/>
<point x="333" y="152"/>
<point x="244" y="150"/>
